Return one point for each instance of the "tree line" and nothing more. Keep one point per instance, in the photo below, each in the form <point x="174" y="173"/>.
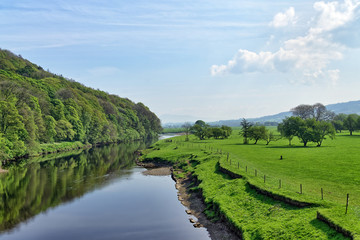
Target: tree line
<point x="309" y="123"/>
<point x="204" y="131"/>
<point x="40" y="107"/>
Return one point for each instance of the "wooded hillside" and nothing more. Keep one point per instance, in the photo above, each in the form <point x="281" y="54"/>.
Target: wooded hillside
<point x="38" y="107"/>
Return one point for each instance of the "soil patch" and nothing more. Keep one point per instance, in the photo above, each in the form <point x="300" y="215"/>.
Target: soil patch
<point x="196" y="207"/>
<point x="161" y="171"/>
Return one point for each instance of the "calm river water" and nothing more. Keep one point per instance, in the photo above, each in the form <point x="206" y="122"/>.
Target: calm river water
<point x="91" y="194"/>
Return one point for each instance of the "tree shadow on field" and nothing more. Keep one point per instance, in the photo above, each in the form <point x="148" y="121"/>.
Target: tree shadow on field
<point x="297" y="147"/>
<point x="330" y="232"/>
<point x="350" y="136"/>
<point x="292" y="146"/>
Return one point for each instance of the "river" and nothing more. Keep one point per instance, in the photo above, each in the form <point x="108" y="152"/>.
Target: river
<point x="96" y="193"/>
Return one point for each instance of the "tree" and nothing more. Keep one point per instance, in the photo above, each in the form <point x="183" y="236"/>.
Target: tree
<point x="322" y="129"/>
<point x="288" y="128"/>
<point x="200" y="129"/>
<point x="257" y="132"/>
<point x="351" y="122"/>
<point x="317" y="111"/>
<point x="187" y="128"/>
<point x="245" y="130"/>
<point x="338" y="122"/>
<point x="305" y="130"/>
<point x="226" y="131"/>
<point x="269" y="137"/>
<point x="303" y="111"/>
<point x="50" y="125"/>
<point x="64" y="131"/>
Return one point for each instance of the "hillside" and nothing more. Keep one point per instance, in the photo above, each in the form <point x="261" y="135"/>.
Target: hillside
<point x="38" y="107"/>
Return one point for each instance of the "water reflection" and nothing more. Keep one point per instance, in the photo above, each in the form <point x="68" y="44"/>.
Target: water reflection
<point x="36" y="185"/>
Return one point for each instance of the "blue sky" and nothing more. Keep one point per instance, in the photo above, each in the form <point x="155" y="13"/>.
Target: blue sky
<point x="191" y="60"/>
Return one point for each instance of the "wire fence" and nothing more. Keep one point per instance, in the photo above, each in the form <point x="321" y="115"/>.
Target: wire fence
<point x="287" y="186"/>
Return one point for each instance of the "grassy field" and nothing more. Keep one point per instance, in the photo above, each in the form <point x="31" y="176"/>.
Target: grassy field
<point x="334" y="167"/>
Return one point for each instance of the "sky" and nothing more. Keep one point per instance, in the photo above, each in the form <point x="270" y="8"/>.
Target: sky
<point x="188" y="60"/>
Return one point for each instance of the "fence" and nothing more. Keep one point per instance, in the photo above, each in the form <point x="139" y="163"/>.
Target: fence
<point x="237" y="165"/>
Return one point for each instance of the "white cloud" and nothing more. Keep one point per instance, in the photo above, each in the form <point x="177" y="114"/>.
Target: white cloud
<point x="308" y="56"/>
<point x="284" y="19"/>
<point x="334" y="15"/>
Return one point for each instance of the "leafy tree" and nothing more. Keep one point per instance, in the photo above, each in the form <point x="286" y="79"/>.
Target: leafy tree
<point x="245" y="130"/>
<point x="50" y="125"/>
<point x="304" y="130"/>
<point x="321" y="130"/>
<point x="269" y="137"/>
<point x="226" y="131"/>
<point x="257" y="132"/>
<point x="11" y="122"/>
<point x="64" y="131"/>
<point x="351" y="122"/>
<point x="338" y="122"/>
<point x="200" y="129"/>
<point x="288" y="128"/>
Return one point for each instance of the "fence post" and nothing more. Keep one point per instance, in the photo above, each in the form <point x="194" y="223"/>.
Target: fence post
<point x="279" y="183"/>
<point x="264" y="178"/>
<point x="300" y="188"/>
<point x="227" y="157"/>
<point x="347" y="203"/>
<point x="322" y="194"/>
<point x="246" y="168"/>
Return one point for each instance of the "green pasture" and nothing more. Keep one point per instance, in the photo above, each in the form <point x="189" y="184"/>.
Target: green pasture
<point x="333" y="167"/>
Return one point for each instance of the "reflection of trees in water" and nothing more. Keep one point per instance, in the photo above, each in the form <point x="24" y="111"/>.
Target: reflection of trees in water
<point x="33" y="188"/>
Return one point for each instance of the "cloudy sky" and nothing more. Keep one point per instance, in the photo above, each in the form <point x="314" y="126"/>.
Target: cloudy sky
<point x="207" y="60"/>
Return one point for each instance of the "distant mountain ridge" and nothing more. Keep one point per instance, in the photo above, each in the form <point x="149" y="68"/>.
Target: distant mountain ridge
<point x="345" y="107"/>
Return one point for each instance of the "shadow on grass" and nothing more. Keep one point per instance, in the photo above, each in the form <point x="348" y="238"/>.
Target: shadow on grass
<point x="292" y="146"/>
<point x="330" y="232"/>
<point x="350" y="136"/>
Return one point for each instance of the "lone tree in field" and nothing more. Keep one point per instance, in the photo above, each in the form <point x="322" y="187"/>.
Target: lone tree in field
<point x="245" y="130"/>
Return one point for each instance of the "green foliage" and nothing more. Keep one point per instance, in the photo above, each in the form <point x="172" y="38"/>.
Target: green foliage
<point x="245" y="130"/>
<point x="351" y="123"/>
<point x="307" y="130"/>
<point x="40" y="107"/>
<point x="200" y="129"/>
<point x="257" y="132"/>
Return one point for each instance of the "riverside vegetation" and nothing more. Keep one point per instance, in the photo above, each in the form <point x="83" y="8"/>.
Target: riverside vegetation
<point x="326" y="174"/>
<point x="41" y="112"/>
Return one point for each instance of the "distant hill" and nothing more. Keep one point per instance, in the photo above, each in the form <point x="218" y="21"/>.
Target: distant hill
<point x="346" y="107"/>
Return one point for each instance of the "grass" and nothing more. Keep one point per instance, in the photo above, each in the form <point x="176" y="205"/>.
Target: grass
<point x="335" y="167"/>
<point x="173" y="130"/>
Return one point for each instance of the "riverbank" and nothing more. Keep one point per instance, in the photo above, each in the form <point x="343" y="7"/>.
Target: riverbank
<point x="250" y="214"/>
<point x="192" y="199"/>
